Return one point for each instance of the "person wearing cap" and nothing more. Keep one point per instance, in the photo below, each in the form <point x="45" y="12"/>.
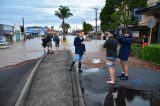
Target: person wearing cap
<point x="124" y="52"/>
<point x="79" y="51"/>
<point x="111" y="55"/>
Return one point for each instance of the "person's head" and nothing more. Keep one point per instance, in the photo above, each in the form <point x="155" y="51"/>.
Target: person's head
<point x="110" y="33"/>
<point x="81" y="34"/>
<point x="127" y="33"/>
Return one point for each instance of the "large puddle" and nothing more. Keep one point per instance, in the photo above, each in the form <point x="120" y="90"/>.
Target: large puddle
<point x="97" y="93"/>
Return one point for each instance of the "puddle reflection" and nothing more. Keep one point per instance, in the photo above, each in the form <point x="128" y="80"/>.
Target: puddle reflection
<point x="97" y="93"/>
<point x="127" y="97"/>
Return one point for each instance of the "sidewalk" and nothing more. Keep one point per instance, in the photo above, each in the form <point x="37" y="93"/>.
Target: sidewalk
<point x="53" y="85"/>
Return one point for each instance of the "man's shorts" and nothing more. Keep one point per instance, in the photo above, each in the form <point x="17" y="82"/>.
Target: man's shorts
<point x="111" y="61"/>
<point x="78" y="58"/>
<point x="49" y="44"/>
<point x="125" y="62"/>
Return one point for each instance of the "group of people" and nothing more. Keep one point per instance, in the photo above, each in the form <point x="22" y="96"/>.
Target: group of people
<point x="47" y="42"/>
<point x="111" y="45"/>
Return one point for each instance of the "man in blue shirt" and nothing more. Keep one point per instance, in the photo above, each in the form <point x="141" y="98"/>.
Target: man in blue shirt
<point x="124" y="52"/>
<point x="79" y="51"/>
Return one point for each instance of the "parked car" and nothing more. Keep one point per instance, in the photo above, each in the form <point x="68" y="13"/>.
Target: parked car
<point x="3" y="44"/>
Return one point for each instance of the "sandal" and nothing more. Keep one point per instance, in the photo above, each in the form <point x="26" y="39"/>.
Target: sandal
<point x="111" y="82"/>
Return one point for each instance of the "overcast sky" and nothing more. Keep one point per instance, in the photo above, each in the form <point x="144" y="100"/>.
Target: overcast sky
<point x="41" y="12"/>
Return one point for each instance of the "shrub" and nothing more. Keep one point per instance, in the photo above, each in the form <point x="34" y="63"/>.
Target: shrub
<point x="136" y="50"/>
<point x="151" y="53"/>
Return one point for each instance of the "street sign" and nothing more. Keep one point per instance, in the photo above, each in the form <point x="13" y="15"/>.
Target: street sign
<point x="151" y="22"/>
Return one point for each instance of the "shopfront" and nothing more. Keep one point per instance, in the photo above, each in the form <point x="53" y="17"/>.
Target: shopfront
<point x="6" y="32"/>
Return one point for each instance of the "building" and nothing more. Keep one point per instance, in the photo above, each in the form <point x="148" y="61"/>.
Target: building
<point x="34" y="31"/>
<point x="17" y="33"/>
<point x="6" y="32"/>
<point x="153" y="9"/>
<point x="93" y="33"/>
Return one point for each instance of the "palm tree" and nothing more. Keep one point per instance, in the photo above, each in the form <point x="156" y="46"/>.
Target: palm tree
<point x="66" y="27"/>
<point x="62" y="13"/>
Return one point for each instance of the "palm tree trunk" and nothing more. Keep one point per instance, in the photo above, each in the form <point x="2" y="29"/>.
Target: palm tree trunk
<point x="64" y="37"/>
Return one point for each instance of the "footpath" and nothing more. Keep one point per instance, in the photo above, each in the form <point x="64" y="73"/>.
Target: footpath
<point x="51" y="84"/>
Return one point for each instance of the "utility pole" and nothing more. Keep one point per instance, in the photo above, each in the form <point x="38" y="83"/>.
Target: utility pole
<point x="96" y="21"/>
<point x="23" y="29"/>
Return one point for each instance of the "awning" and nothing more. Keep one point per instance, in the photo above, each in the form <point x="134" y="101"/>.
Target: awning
<point x="150" y="10"/>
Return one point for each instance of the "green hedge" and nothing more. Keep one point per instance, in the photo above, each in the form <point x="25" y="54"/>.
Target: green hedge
<point x="151" y="53"/>
<point x="136" y="50"/>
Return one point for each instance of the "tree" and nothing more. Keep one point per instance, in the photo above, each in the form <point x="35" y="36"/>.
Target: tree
<point x="119" y="12"/>
<point x="87" y="27"/>
<point x="105" y="15"/>
<point x="66" y="27"/>
<point x="62" y="13"/>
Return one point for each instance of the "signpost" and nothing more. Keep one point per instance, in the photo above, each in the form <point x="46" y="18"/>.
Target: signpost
<point x="151" y="23"/>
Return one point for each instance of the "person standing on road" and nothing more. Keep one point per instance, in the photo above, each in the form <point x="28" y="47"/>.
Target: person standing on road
<point x="56" y="40"/>
<point x="111" y="55"/>
<point x="44" y="44"/>
<point x="79" y="51"/>
<point x="49" y="42"/>
<point x="124" y="52"/>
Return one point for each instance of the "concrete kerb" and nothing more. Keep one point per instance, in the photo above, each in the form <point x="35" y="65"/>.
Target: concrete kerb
<point x="25" y="91"/>
<point x="78" y="99"/>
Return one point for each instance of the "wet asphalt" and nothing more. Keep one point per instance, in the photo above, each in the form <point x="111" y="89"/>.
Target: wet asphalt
<point x="12" y="80"/>
<point x="142" y="88"/>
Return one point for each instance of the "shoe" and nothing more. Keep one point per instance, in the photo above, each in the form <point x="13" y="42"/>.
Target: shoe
<point x="111" y="82"/>
<point x="121" y="76"/>
<point x="124" y="78"/>
<point x="70" y="69"/>
<point x="80" y="71"/>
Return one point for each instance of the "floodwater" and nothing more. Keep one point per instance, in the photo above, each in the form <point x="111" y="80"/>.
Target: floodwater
<point x="97" y="92"/>
<point x="32" y="48"/>
<point x="21" y="51"/>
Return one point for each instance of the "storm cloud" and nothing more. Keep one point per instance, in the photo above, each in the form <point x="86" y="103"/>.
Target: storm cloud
<point x="41" y="12"/>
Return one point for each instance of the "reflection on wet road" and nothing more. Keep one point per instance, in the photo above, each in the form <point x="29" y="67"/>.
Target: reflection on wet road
<point x="137" y="91"/>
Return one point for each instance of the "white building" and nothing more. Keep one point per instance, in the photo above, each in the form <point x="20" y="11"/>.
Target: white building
<point x="17" y="33"/>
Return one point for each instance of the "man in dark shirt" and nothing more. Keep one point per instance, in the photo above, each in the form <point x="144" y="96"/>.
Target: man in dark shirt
<point x="111" y="54"/>
<point x="124" y="52"/>
<point x="79" y="51"/>
<point x="49" y="42"/>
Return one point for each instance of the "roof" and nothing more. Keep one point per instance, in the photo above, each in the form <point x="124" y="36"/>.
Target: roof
<point x="150" y="10"/>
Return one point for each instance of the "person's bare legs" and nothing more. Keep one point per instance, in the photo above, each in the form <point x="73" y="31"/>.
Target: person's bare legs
<point x="112" y="73"/>
<point x="111" y="70"/>
<point x="125" y="71"/>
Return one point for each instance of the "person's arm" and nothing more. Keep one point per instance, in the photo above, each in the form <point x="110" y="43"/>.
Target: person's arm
<point x="120" y="40"/>
<point x="127" y="41"/>
<point x="106" y="44"/>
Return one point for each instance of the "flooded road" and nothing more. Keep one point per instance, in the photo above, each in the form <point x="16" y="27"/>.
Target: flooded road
<point x="21" y="51"/>
<point x="31" y="49"/>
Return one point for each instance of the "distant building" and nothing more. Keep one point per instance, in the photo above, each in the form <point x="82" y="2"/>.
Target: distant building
<point x="95" y="35"/>
<point x="17" y="33"/>
<point x="6" y="32"/>
<point x="34" y="31"/>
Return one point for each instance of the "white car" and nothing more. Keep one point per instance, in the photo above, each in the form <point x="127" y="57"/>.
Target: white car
<point x="3" y="44"/>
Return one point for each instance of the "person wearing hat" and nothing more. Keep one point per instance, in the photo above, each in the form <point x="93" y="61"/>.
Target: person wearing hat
<point x="111" y="54"/>
<point x="124" y="52"/>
